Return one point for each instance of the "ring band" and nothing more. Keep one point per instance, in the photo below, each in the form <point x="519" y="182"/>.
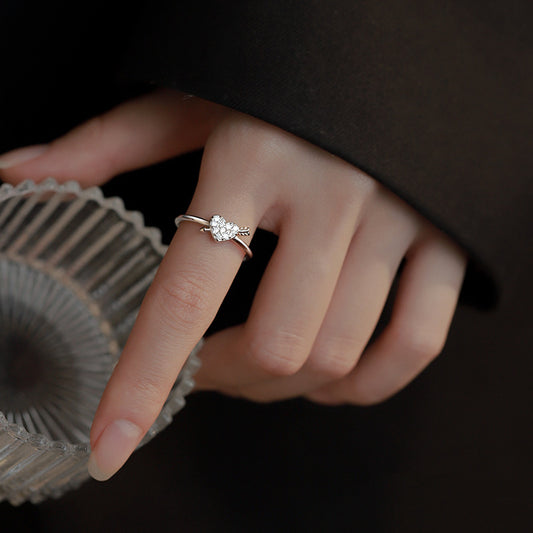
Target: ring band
<point x="220" y="229"/>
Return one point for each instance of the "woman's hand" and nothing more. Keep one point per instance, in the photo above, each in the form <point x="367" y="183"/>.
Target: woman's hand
<point x="342" y="237"/>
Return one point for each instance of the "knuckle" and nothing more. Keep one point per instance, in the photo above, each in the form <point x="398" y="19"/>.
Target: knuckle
<point x="334" y="358"/>
<point x="365" y="183"/>
<point x="262" y="142"/>
<point x="348" y="197"/>
<point x="185" y="300"/>
<point x="358" y="186"/>
<point x="418" y="341"/>
<point x="365" y="393"/>
<point x="346" y="203"/>
<point x="354" y="393"/>
<point x="279" y="353"/>
<point x="263" y="146"/>
<point x="366" y="397"/>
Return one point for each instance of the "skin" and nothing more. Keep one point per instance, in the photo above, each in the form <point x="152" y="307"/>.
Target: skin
<point x="320" y="297"/>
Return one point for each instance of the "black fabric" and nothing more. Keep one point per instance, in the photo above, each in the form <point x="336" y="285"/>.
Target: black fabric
<point x="432" y="99"/>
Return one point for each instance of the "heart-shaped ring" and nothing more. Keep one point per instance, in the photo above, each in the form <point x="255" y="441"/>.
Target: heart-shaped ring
<point x="221" y="230"/>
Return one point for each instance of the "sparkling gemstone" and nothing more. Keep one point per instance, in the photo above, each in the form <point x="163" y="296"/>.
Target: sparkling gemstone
<point x="222" y="230"/>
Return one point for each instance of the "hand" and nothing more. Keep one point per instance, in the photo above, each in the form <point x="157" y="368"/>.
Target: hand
<point x="342" y="237"/>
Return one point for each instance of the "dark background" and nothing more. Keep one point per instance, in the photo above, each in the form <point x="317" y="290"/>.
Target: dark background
<point x="452" y="452"/>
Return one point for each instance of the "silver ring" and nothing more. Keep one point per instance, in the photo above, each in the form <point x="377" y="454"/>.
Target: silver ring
<point x="221" y="230"/>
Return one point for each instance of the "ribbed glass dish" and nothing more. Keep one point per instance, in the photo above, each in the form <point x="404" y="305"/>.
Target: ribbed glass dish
<point x="74" y="267"/>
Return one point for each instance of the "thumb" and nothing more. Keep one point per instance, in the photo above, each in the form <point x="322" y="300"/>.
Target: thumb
<point x="137" y="133"/>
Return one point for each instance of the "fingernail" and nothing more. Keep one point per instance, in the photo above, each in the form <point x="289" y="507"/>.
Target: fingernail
<point x="21" y="155"/>
<point x="115" y="445"/>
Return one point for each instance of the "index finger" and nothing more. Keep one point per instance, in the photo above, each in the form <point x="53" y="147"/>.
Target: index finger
<point x="187" y="291"/>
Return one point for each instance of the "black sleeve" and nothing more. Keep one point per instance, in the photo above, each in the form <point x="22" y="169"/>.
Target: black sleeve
<point x="431" y="99"/>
